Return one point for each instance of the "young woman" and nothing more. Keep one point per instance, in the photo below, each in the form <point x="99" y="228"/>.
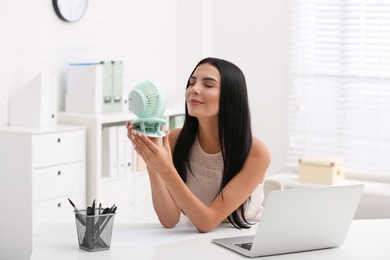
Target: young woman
<point x="212" y="169"/>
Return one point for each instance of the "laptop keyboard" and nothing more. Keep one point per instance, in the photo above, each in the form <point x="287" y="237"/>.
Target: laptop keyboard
<point x="246" y="246"/>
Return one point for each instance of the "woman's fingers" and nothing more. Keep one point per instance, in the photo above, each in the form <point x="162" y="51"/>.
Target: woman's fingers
<point x="145" y="142"/>
<point x="165" y="140"/>
<point x="129" y="127"/>
<point x="130" y="133"/>
<point x="149" y="148"/>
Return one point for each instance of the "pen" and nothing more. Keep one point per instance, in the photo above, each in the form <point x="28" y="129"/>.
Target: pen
<point x="90" y="230"/>
<point x="76" y="210"/>
<point x="111" y="209"/>
<point x="103" y="219"/>
<point x="101" y="224"/>
<point x="104" y="224"/>
<point x="93" y="207"/>
<point x="74" y="206"/>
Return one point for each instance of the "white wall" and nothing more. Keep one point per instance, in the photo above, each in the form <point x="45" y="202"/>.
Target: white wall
<point x="254" y="35"/>
<point x="161" y="40"/>
<point x="141" y="33"/>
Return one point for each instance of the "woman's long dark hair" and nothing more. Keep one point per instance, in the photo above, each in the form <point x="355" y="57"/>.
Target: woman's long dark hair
<point x="234" y="130"/>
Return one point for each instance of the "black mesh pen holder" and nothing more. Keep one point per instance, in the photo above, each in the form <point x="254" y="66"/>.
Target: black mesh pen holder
<point x="94" y="231"/>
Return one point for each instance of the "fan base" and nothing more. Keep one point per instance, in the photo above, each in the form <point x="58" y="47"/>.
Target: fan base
<point x="150" y="126"/>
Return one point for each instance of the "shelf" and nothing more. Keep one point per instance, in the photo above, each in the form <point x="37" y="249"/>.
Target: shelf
<point x="109" y="118"/>
<point x="134" y="174"/>
<point x="130" y="190"/>
<point x="38" y="130"/>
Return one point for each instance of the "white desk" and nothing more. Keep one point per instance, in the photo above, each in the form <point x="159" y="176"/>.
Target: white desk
<point x="367" y="239"/>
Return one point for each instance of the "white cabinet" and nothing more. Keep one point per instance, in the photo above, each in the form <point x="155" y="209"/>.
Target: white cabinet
<point x="39" y="169"/>
<point x="129" y="191"/>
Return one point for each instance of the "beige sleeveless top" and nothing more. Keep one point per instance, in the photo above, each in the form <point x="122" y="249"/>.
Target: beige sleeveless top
<point x="206" y="178"/>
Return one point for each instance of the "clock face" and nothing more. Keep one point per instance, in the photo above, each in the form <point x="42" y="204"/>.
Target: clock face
<point x="70" y="10"/>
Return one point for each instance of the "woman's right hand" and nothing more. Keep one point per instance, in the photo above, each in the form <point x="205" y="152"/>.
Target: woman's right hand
<point x="130" y="127"/>
<point x="164" y="205"/>
<point x="155" y="152"/>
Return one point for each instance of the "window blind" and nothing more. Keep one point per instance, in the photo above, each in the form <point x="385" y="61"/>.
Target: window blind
<point x="339" y="101"/>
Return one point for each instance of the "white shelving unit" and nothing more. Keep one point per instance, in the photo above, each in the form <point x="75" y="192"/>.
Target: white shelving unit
<point x="130" y="192"/>
<point x="40" y="168"/>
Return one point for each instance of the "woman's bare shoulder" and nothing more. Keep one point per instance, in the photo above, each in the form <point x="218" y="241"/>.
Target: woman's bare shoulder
<point x="260" y="151"/>
<point x="258" y="160"/>
<point x="173" y="135"/>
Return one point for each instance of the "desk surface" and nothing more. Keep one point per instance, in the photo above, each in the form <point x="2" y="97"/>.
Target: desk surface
<point x="367" y="239"/>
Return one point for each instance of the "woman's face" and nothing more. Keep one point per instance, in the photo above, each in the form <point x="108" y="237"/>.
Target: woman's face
<point x="202" y="94"/>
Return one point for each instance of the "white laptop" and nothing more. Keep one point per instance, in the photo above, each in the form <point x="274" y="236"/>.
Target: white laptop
<point x="300" y="220"/>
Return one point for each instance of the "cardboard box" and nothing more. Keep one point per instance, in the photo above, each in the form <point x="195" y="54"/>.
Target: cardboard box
<point x="324" y="170"/>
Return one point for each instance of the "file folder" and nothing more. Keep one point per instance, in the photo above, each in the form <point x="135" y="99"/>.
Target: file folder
<point x="121" y="140"/>
<point x="117" y="80"/>
<point x="94" y="87"/>
<point x="129" y="156"/>
<point x="84" y="88"/>
<point x="176" y="121"/>
<point x="107" y="87"/>
<point x="141" y="165"/>
<point x="35" y="104"/>
<point x="109" y="151"/>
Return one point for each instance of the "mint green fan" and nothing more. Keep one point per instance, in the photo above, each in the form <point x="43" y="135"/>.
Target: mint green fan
<point x="147" y="102"/>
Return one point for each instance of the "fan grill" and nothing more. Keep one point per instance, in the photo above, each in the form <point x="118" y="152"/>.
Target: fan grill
<point x="147" y="102"/>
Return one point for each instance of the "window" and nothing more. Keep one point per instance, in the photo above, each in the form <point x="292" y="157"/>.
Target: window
<point x="340" y="96"/>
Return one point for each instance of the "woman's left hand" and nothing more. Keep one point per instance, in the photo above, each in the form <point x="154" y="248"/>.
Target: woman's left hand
<point x="156" y="156"/>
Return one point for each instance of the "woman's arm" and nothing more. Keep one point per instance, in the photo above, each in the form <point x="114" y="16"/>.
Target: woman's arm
<point x="165" y="207"/>
<point x="205" y="218"/>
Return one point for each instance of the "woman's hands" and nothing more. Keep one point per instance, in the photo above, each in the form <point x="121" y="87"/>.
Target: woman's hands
<point x="157" y="155"/>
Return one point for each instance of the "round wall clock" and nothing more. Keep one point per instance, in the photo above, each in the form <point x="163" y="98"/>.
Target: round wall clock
<point x="70" y="10"/>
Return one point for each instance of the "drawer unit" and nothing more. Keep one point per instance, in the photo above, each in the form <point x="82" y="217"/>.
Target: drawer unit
<point x="57" y="148"/>
<point x="59" y="180"/>
<point x="40" y="169"/>
<point x="55" y="210"/>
